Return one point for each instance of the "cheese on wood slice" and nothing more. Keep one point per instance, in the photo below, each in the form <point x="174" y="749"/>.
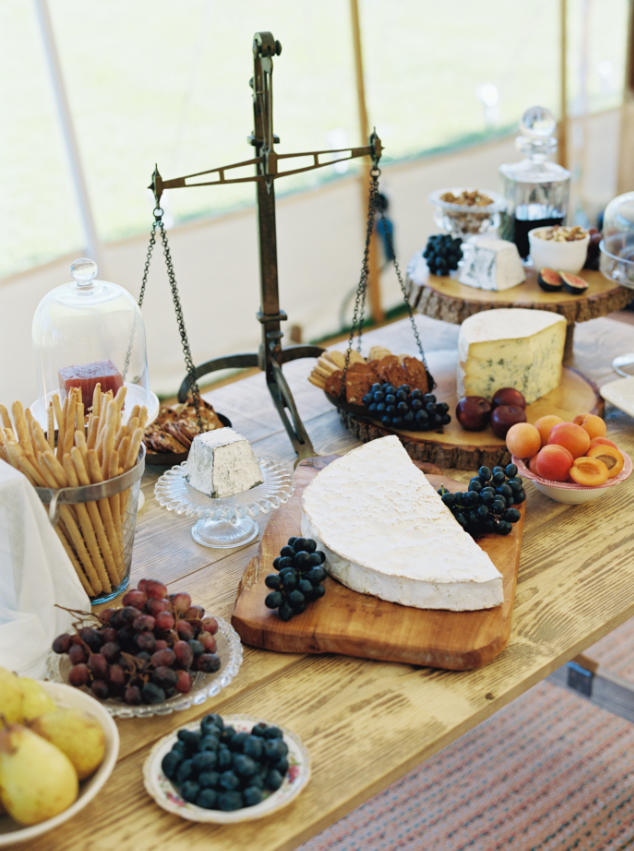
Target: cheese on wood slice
<point x="222" y="463"/>
<point x="385" y="531"/>
<point x="510" y="347"/>
<point x="491" y="264"/>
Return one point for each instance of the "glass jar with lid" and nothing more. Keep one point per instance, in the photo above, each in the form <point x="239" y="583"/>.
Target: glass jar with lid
<point x="536" y="189"/>
<point x="617" y="244"/>
<point x="88" y="331"/>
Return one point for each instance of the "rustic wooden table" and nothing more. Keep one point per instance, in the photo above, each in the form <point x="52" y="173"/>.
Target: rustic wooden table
<point x="367" y="723"/>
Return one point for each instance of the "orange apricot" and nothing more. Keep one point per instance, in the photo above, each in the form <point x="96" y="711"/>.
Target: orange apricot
<point x="594" y="425"/>
<point x="611" y="457"/>
<point x="602" y="441"/>
<point x="532" y="465"/>
<point x="523" y="440"/>
<point x="588" y="471"/>
<point x="571" y="435"/>
<point x="545" y="423"/>
<point x="553" y="462"/>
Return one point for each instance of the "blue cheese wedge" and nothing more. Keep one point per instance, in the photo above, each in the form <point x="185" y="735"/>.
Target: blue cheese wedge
<point x="222" y="463"/>
<point x="385" y="531"/>
<point x="510" y="347"/>
<point x="491" y="264"/>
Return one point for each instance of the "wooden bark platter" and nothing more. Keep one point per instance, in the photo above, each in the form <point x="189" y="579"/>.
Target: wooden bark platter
<point x="446" y="298"/>
<point x="465" y="450"/>
<point x="353" y="624"/>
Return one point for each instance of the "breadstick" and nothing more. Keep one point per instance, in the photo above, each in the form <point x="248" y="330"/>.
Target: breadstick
<point x="59" y="416"/>
<point x="80" y="441"/>
<point x="50" y="434"/>
<point x="94" y="471"/>
<point x="87" y="529"/>
<point x="73" y="558"/>
<point x="79" y="462"/>
<point x="119" y="399"/>
<point x="24" y="436"/>
<point x="70" y="408"/>
<point x="96" y="400"/>
<point x="6" y="419"/>
<point x="93" y="429"/>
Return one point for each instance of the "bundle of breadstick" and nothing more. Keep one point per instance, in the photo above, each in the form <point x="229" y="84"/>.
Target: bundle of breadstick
<point x="87" y="449"/>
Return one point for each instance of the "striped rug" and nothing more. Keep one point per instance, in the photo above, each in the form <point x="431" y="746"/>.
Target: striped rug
<point x="549" y="771"/>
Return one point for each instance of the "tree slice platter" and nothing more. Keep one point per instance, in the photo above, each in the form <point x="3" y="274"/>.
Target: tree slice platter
<point x="446" y="298"/>
<point x="353" y="624"/>
<point x="465" y="450"/>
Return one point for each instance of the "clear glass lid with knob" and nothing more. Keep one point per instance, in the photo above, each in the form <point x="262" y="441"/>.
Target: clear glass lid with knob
<point x="89" y="331"/>
<point x="617" y="245"/>
<point x="535" y="188"/>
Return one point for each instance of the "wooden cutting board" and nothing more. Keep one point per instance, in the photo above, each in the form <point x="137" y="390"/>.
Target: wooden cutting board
<point x="353" y="624"/>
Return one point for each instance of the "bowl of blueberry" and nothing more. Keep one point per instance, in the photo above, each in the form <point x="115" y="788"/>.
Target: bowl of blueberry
<point x="226" y="769"/>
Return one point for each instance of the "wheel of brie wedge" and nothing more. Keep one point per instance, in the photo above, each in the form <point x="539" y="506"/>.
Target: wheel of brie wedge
<point x="385" y="531"/>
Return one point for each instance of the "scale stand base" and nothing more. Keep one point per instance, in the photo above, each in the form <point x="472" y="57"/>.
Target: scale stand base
<point x="276" y="383"/>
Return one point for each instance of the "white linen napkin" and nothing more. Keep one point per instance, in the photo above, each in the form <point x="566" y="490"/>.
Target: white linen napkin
<point x="35" y="573"/>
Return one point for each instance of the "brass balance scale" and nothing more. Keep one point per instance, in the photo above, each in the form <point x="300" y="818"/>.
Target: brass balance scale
<point x="268" y="168"/>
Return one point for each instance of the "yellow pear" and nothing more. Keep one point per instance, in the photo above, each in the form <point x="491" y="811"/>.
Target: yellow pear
<point x="75" y="733"/>
<point x="37" y="780"/>
<point x="35" y="700"/>
<point x="10" y="697"/>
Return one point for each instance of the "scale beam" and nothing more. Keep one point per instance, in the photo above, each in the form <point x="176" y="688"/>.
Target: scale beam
<point x="266" y="161"/>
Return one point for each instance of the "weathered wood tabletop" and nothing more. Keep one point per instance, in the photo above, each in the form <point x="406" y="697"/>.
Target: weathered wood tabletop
<point x="367" y="723"/>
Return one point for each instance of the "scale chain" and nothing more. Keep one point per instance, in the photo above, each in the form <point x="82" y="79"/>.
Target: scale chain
<point x="189" y="363"/>
<point x="360" y="296"/>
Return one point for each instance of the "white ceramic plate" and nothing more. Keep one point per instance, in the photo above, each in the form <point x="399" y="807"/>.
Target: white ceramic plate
<point x="67" y="696"/>
<point x="620" y="393"/>
<point x="167" y="797"/>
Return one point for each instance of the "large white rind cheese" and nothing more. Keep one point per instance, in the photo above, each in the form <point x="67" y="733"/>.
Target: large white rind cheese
<point x="385" y="531"/>
<point x="221" y="463"/>
<point x="510" y="347"/>
<point x="491" y="264"/>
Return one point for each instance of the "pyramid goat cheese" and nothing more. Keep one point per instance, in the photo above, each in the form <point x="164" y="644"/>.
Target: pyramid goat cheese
<point x="385" y="531"/>
<point x="222" y="463"/>
<point x="511" y="347"/>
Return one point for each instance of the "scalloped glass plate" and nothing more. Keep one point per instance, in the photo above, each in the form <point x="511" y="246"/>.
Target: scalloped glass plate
<point x="166" y="796"/>
<point x="226" y="522"/>
<point x="204" y="686"/>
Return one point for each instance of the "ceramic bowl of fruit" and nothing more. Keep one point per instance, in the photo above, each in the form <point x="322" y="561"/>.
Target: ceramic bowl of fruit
<point x="155" y="654"/>
<point x="465" y="212"/>
<point x="560" y="248"/>
<point x="570" y="462"/>
<point x="58" y="753"/>
<point x="226" y="769"/>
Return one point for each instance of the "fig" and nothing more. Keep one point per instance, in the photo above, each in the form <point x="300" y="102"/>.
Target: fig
<point x="504" y="416"/>
<point x="549" y="280"/>
<point x="573" y="283"/>
<point x="473" y="412"/>
<point x="508" y="396"/>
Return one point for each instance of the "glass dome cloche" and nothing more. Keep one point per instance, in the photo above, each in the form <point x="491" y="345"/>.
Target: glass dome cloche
<point x="88" y="331"/>
<point x="617" y="245"/>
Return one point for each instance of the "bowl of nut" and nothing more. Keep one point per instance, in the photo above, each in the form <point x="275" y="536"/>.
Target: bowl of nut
<point x="467" y="212"/>
<point x="559" y="247"/>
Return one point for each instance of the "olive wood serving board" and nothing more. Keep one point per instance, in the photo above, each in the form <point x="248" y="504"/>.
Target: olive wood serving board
<point x="352" y="624"/>
<point x="464" y="450"/>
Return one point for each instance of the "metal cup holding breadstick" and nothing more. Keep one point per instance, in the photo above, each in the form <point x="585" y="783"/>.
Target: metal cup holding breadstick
<point x="88" y="471"/>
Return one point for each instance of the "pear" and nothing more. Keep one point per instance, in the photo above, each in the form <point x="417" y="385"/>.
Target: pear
<point x="75" y="733"/>
<point x="37" y="780"/>
<point x="10" y="697"/>
<point x="35" y="700"/>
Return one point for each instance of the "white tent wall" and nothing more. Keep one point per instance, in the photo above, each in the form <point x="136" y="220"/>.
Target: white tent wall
<point x="320" y="243"/>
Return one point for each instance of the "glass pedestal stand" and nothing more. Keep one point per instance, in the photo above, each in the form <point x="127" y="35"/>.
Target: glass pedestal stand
<point x="228" y="522"/>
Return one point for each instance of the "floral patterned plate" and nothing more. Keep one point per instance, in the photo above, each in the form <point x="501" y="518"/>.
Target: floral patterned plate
<point x="166" y="795"/>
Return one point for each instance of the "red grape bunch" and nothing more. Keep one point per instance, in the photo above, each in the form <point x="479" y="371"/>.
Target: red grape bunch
<point x="144" y="651"/>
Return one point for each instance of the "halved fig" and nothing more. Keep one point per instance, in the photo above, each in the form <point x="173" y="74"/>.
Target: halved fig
<point x="573" y="283"/>
<point x="549" y="280"/>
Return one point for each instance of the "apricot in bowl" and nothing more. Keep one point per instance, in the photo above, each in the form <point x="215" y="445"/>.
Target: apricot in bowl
<point x="572" y="493"/>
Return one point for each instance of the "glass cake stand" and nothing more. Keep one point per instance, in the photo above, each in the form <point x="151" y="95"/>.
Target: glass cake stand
<point x="225" y="522"/>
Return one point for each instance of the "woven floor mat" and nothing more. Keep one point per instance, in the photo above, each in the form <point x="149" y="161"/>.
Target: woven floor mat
<point x="549" y="771"/>
<point x="615" y="652"/>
